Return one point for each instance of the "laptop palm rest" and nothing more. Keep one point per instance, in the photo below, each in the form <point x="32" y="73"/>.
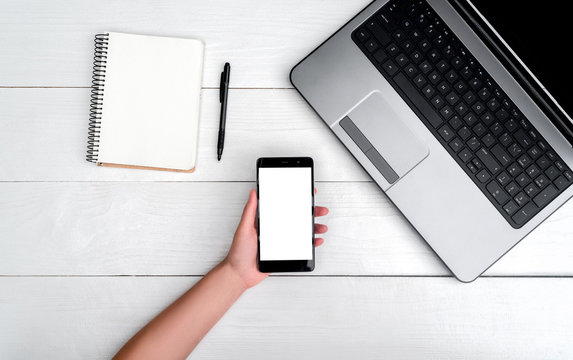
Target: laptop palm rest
<point x="383" y="136"/>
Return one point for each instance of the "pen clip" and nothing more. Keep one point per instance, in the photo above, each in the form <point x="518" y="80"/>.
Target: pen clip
<point x="222" y="87"/>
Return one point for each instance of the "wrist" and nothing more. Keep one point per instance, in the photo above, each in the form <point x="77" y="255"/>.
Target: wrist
<point x="234" y="278"/>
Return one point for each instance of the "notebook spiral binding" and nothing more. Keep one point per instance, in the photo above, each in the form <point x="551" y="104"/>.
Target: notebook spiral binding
<point x="96" y="102"/>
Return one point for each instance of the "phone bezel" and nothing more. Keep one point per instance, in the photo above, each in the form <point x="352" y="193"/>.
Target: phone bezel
<point x="270" y="266"/>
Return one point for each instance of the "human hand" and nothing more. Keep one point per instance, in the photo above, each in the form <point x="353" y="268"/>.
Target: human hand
<point x="242" y="257"/>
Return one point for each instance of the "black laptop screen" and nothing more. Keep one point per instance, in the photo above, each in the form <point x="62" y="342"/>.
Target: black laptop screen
<point x="541" y="35"/>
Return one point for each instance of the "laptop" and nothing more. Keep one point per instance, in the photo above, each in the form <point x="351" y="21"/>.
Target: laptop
<point x="459" y="110"/>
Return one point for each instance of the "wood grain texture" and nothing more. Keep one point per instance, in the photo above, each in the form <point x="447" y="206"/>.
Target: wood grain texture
<point x="67" y="227"/>
<point x="51" y="43"/>
<point x="180" y="228"/>
<point x="299" y="318"/>
<point x="43" y="137"/>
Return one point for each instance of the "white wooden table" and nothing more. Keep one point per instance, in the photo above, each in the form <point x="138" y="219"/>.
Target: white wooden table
<point x="88" y="255"/>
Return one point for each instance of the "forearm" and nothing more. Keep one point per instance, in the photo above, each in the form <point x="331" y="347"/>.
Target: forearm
<point x="175" y="332"/>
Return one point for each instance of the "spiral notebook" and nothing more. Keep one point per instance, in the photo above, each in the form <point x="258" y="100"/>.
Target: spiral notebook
<point x="145" y="102"/>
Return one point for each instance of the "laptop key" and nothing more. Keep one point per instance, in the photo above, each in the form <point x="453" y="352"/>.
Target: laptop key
<point x="473" y="143"/>
<point x="483" y="175"/>
<point x="452" y="98"/>
<point x="380" y="56"/>
<point x="522" y="138"/>
<point x="438" y="101"/>
<point x="362" y="34"/>
<point x="480" y="129"/>
<point x="434" y="77"/>
<point x="487" y="118"/>
<point x="521" y="199"/>
<point x="545" y="196"/>
<point x="560" y="182"/>
<point x="488" y="140"/>
<point x="425" y="67"/>
<point x="475" y="83"/>
<point x="512" y="188"/>
<point x="402" y="60"/>
<point x="534" y="152"/>
<point x="472" y="168"/>
<point x="420" y="80"/>
<point x="552" y="172"/>
<point x="543" y="162"/>
<point x="456" y="144"/>
<point x="522" y="179"/>
<point x="380" y="34"/>
<point x="541" y="181"/>
<point x="513" y="169"/>
<point x="510" y="207"/>
<point x="524" y="161"/>
<point x="505" y="139"/>
<point x="490" y="163"/>
<point x="531" y="189"/>
<point x="496" y="129"/>
<point x="470" y="97"/>
<point x="446" y="133"/>
<point x="465" y="155"/>
<point x="502" y="115"/>
<point x="524" y="213"/>
<point x="514" y="150"/>
<point x="500" y="154"/>
<point x="503" y="178"/>
<point x="533" y="171"/>
<point x="465" y="133"/>
<point x="429" y="91"/>
<point x="392" y="49"/>
<point x="443" y="88"/>
<point x="387" y="20"/>
<point x="497" y="192"/>
<point x="446" y="112"/>
<point x="408" y="46"/>
<point x="399" y="36"/>
<point x="484" y="94"/>
<point x="390" y="67"/>
<point x="455" y="122"/>
<point x="511" y="125"/>
<point x="372" y="45"/>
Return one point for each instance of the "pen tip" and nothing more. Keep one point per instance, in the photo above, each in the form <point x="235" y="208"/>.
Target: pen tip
<point x="218" y="157"/>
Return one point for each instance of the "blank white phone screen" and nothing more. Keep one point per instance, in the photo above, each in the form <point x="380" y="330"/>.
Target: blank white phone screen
<point x="285" y="213"/>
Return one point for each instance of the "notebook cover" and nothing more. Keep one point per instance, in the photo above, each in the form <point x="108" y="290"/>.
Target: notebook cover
<point x="146" y="102"/>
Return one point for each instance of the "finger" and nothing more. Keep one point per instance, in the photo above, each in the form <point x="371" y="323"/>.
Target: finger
<point x="250" y="210"/>
<point x="320" y="229"/>
<point x="318" y="242"/>
<point x="320" y="211"/>
<point x="315" y="191"/>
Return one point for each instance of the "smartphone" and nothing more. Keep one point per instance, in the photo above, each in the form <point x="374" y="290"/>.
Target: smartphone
<point x="285" y="214"/>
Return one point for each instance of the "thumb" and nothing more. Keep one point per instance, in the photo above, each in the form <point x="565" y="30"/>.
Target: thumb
<point x="250" y="211"/>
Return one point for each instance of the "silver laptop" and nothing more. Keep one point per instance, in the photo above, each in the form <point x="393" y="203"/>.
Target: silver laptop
<point x="458" y="111"/>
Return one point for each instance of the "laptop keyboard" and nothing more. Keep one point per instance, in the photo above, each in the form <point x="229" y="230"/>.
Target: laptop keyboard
<point x="464" y="108"/>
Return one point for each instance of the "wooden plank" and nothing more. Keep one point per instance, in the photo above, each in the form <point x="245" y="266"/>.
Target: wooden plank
<point x="43" y="137"/>
<point x="299" y="318"/>
<point x="51" y="44"/>
<point x="180" y="228"/>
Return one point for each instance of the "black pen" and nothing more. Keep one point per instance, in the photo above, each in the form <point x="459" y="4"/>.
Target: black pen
<point x="223" y="95"/>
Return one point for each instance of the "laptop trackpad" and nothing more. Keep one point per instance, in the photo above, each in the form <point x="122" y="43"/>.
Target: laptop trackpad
<point x="388" y="133"/>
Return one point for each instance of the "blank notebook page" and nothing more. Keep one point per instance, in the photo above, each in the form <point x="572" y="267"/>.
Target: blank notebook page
<point x="151" y="98"/>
